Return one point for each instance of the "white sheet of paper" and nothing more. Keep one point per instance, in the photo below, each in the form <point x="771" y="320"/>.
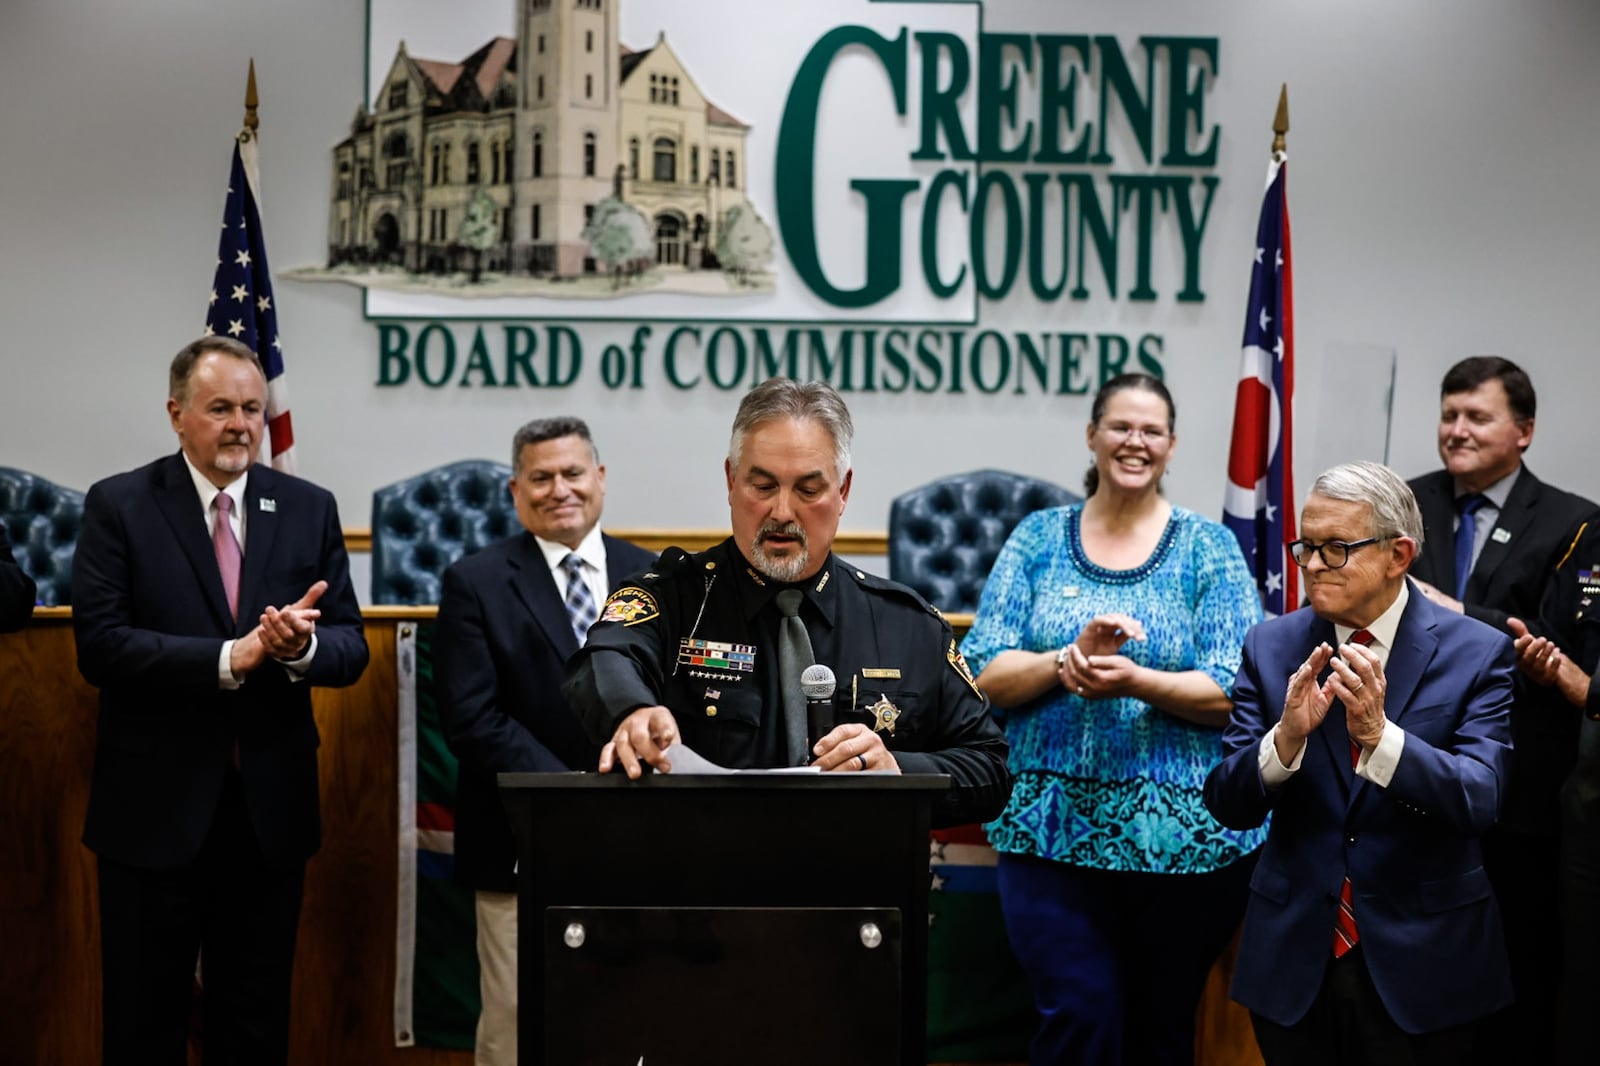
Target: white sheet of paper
<point x="685" y="760"/>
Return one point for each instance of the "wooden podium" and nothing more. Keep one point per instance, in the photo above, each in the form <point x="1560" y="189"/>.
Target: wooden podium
<point x="706" y="920"/>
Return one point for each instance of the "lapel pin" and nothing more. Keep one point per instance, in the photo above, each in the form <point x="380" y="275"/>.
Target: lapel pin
<point x="1500" y="535"/>
<point x="269" y="505"/>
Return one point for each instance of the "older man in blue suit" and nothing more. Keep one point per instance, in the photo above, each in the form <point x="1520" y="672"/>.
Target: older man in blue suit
<point x="1374" y="728"/>
<point x="209" y="594"/>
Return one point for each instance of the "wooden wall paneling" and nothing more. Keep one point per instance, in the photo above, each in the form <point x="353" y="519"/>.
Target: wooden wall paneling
<point x="345" y="959"/>
<point x="50" y="982"/>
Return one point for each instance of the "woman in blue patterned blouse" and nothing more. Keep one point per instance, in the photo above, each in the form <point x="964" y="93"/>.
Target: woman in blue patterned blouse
<point x="1107" y="638"/>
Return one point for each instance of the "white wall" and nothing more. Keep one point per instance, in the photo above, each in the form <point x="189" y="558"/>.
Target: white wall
<point x="1445" y="158"/>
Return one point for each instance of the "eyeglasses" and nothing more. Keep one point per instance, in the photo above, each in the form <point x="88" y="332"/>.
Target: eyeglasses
<point x="1121" y="432"/>
<point x="1335" y="553"/>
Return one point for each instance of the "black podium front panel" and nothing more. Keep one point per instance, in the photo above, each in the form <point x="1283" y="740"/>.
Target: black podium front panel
<point x="765" y="854"/>
<point x="724" y="986"/>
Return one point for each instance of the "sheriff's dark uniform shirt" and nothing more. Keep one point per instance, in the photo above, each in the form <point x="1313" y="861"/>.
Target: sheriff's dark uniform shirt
<point x="1570" y="611"/>
<point x="698" y="634"/>
<point x="1570" y="616"/>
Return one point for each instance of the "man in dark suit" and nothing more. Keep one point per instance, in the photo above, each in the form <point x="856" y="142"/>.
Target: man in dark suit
<point x="1563" y="659"/>
<point x="1373" y="727"/>
<point x="1495" y="563"/>
<point x="209" y="595"/>
<point x="509" y="618"/>
<point x="16" y="589"/>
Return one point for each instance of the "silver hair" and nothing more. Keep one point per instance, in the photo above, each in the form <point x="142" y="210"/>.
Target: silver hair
<point x="811" y="401"/>
<point x="1394" y="508"/>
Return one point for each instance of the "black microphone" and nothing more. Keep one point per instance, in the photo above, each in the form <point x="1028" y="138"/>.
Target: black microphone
<point x="817" y="683"/>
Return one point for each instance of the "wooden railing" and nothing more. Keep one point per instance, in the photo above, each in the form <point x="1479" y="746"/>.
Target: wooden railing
<point x="345" y="961"/>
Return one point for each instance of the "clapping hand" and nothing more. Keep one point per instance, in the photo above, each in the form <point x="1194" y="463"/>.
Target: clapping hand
<point x="1538" y="657"/>
<point x="287" y="631"/>
<point x="1107" y="633"/>
<point x="283" y="633"/>
<point x="1305" y="704"/>
<point x="1357" y="681"/>
<point x="1090" y="665"/>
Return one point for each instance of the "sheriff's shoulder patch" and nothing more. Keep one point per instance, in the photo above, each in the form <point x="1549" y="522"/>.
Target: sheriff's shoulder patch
<point x="958" y="663"/>
<point x="630" y="605"/>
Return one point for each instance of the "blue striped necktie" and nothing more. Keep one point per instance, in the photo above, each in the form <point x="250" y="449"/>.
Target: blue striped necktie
<point x="1466" y="533"/>
<point x="580" y="601"/>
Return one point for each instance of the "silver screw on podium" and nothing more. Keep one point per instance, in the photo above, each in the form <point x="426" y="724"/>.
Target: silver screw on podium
<point x="574" y="934"/>
<point x="871" y="935"/>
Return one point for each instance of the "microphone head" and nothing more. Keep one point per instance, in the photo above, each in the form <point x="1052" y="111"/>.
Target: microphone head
<point x="817" y="682"/>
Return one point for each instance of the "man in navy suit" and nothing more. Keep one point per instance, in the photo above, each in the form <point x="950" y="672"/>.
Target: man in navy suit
<point x="209" y="595"/>
<point x="1498" y="567"/>
<point x="16" y="589"/>
<point x="509" y="618"/>
<point x="1373" y="727"/>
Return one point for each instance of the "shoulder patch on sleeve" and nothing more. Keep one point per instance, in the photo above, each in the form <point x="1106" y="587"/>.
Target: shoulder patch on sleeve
<point x="958" y="663"/>
<point x="630" y="605"/>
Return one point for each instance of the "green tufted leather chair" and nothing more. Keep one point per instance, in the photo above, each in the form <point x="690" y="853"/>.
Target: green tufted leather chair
<point x="423" y="524"/>
<point x="42" y="520"/>
<point x="944" y="536"/>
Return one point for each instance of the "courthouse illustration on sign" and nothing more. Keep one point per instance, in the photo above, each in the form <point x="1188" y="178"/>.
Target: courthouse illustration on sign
<point x="561" y="163"/>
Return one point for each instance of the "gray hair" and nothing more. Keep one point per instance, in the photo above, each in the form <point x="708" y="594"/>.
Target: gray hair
<point x="183" y="363"/>
<point x="811" y="401"/>
<point x="1394" y="508"/>
<point x="542" y="429"/>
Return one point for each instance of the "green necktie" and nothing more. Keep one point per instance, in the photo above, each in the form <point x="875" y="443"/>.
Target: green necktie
<point x="794" y="655"/>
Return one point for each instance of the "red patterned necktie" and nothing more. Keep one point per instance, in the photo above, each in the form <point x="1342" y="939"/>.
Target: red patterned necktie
<point x="1345" y="934"/>
<point x="229" y="557"/>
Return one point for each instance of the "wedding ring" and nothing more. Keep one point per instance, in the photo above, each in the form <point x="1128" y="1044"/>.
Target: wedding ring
<point x="862" y="759"/>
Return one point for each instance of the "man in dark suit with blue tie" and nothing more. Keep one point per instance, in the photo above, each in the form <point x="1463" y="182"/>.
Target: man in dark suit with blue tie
<point x="1496" y="534"/>
<point x="1373" y="727"/>
<point x="509" y="618"/>
<point x="209" y="594"/>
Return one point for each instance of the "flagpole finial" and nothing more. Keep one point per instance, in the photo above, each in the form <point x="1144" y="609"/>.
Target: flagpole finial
<point x="251" y="101"/>
<point x="1280" y="122"/>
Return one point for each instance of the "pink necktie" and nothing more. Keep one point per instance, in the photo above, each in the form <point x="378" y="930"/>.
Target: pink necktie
<point x="1345" y="934"/>
<point x="229" y="557"/>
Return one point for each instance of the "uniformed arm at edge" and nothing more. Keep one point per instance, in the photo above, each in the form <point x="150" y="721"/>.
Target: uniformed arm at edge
<point x="601" y="693"/>
<point x="976" y="748"/>
<point x="618" y="670"/>
<point x="980" y="783"/>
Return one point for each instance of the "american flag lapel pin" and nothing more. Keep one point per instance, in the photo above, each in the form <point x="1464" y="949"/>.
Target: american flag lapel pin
<point x="269" y="505"/>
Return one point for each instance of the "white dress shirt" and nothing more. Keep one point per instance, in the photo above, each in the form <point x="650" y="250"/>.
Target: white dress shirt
<point x="592" y="550"/>
<point x="208" y="494"/>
